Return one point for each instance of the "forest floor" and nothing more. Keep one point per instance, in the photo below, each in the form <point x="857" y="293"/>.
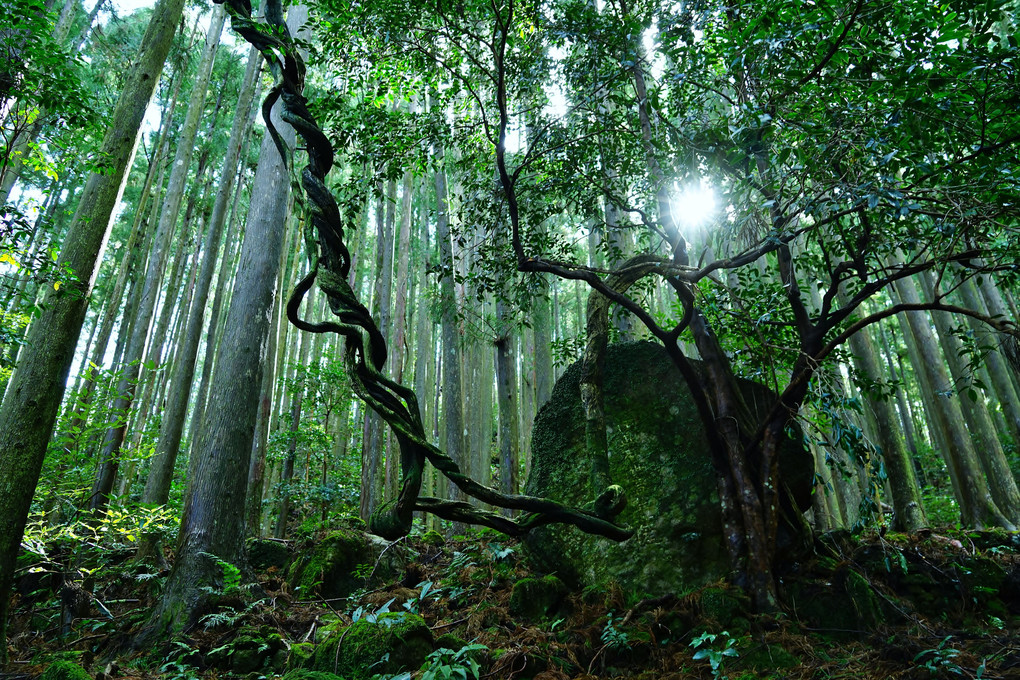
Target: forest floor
<point x="894" y="606"/>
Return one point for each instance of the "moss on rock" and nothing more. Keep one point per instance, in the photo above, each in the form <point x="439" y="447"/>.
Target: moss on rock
<point x="264" y="554"/>
<point x="251" y="650"/>
<point x="433" y="538"/>
<point x="658" y="453"/>
<point x="724" y="608"/>
<point x="65" y="670"/>
<point x="451" y="642"/>
<point x="328" y="571"/>
<point x="305" y="674"/>
<point x="391" y="643"/>
<point x="300" y="655"/>
<point x="536" y="598"/>
<point x="844" y="606"/>
<point x="767" y="657"/>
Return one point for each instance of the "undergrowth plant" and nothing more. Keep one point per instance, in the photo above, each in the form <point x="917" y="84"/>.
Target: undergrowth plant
<point x="446" y="664"/>
<point x="715" y="648"/>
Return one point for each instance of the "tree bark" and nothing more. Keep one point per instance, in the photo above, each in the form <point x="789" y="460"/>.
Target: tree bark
<point x="906" y="493"/>
<point x="213" y="519"/>
<point x="977" y="507"/>
<point x="135" y="351"/>
<point x="452" y="407"/>
<point x="30" y="408"/>
<point x="157" y="486"/>
<point x="506" y="391"/>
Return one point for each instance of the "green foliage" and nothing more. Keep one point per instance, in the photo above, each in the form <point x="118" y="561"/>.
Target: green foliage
<point x="180" y="667"/>
<point x="119" y="528"/>
<point x="447" y="664"/>
<point x="64" y="670"/>
<point x="612" y="635"/>
<point x="716" y="648"/>
<point x="428" y="591"/>
<point x="231" y="576"/>
<point x="940" y="659"/>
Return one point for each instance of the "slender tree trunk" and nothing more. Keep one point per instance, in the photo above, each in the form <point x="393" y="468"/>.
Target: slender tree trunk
<point x="374" y="434"/>
<point x="977" y="507"/>
<point x="157" y="487"/>
<point x="452" y="407"/>
<point x="154" y="273"/>
<point x="213" y="519"/>
<point x="506" y="388"/>
<point x="30" y="407"/>
<point x="227" y="266"/>
<point x="296" y="402"/>
<point x="978" y="423"/>
<point x="906" y="493"/>
<point x="398" y="349"/>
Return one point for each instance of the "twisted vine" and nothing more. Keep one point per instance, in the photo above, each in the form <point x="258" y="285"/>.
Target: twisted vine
<point x="365" y="353"/>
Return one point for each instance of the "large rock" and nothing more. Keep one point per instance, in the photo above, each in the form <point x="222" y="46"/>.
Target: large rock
<point x="343" y="562"/>
<point x="389" y="643"/>
<point x="658" y="453"/>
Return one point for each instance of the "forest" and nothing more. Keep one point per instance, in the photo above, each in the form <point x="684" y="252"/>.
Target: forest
<point x="514" y="339"/>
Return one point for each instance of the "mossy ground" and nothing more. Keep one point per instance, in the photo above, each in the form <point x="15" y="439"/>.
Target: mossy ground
<point x="908" y="604"/>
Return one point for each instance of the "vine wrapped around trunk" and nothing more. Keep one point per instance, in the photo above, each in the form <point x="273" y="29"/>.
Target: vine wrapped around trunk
<point x="366" y="346"/>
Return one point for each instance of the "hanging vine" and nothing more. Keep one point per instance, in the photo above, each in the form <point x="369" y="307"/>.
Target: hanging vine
<point x="330" y="263"/>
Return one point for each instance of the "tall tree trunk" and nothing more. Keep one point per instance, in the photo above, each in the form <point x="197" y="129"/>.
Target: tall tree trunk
<point x="452" y="408"/>
<point x="157" y="486"/>
<point x="906" y="493"/>
<point x="978" y="423"/>
<point x="506" y="389"/>
<point x="224" y="280"/>
<point x="135" y="352"/>
<point x="297" y="397"/>
<point x="398" y="349"/>
<point x="30" y="407"/>
<point x="977" y="507"/>
<point x="374" y="435"/>
<point x="213" y="519"/>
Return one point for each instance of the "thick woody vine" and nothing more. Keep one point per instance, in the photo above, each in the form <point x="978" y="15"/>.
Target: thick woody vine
<point x="366" y="349"/>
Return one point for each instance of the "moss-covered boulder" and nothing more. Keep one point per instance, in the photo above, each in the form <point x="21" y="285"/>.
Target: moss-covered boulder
<point x="390" y="643"/>
<point x="251" y="650"/>
<point x="300" y="655"/>
<point x="536" y="598"/>
<point x="64" y="670"/>
<point x="843" y="606"/>
<point x="451" y="642"/>
<point x="766" y="657"/>
<point x="265" y="554"/>
<point x="305" y="674"/>
<point x="343" y="562"/>
<point x="658" y="453"/>
<point x="724" y="608"/>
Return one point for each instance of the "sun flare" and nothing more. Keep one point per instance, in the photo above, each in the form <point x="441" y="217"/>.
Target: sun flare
<point x="695" y="205"/>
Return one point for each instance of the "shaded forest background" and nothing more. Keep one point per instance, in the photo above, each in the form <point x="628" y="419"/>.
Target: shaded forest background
<point x="495" y="163"/>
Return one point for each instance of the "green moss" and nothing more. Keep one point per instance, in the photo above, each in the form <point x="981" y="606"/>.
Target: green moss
<point x="65" y="670"/>
<point x="451" y="642"/>
<point x="866" y="604"/>
<point x="329" y="570"/>
<point x="536" y="598"/>
<point x="723" y="607"/>
<point x="392" y="643"/>
<point x="658" y="454"/>
<point x="304" y="674"/>
<point x="252" y="649"/>
<point x="433" y="538"/>
<point x="844" y="606"/>
<point x="265" y="554"/>
<point x="767" y="657"/>
<point x="300" y="655"/>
